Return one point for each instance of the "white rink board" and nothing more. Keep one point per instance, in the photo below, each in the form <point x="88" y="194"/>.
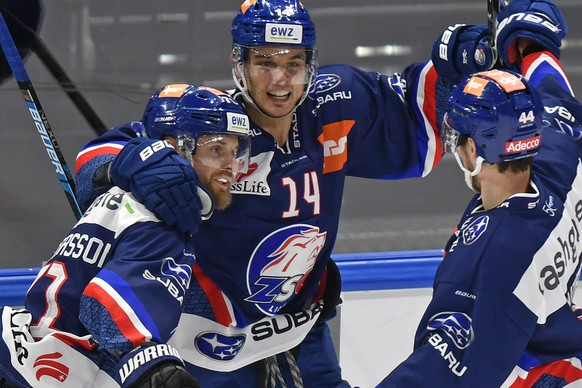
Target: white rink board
<point x="376" y="331"/>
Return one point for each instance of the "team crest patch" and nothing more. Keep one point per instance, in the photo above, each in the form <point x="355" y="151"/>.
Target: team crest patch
<point x="48" y="365"/>
<point x="280" y="265"/>
<point x="475" y="229"/>
<point x="324" y="83"/>
<point x="456" y="325"/>
<point x="218" y="346"/>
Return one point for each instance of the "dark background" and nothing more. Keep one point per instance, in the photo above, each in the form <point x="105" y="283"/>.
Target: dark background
<point x="116" y="51"/>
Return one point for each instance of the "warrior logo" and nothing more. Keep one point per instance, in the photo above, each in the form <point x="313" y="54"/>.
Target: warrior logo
<point x="181" y="273"/>
<point x="280" y="265"/>
<point x="455" y="325"/>
<point x="218" y="346"/>
<point x="475" y="229"/>
<point x="46" y="365"/>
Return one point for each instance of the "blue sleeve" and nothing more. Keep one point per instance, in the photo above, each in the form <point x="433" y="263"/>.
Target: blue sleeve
<point x="386" y="125"/>
<point x="137" y="297"/>
<point x="474" y="331"/>
<point x="545" y="73"/>
<point x="97" y="153"/>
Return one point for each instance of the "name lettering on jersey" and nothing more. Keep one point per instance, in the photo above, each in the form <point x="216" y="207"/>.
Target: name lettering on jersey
<point x="144" y="356"/>
<point x="334" y="140"/>
<point x="552" y="274"/>
<point x="280" y="265"/>
<point x="90" y="249"/>
<point x="283" y="33"/>
<point x="436" y="341"/>
<point x="254" y="182"/>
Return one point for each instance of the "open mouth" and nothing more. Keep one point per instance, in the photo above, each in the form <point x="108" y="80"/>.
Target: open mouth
<point x="223" y="181"/>
<point x="279" y="95"/>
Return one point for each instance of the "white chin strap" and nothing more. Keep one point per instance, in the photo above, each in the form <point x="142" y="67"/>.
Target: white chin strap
<point x="470" y="174"/>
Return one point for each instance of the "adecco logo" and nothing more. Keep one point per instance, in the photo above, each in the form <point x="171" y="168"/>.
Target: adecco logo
<point x="512" y="147"/>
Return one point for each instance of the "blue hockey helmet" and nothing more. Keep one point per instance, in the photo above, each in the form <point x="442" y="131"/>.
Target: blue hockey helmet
<point x="284" y="24"/>
<point x="187" y="112"/>
<point x="500" y="111"/>
<point x="273" y="22"/>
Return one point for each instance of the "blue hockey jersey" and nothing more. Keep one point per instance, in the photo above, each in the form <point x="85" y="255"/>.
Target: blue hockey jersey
<point x="501" y="314"/>
<point x="116" y="281"/>
<point x="266" y="255"/>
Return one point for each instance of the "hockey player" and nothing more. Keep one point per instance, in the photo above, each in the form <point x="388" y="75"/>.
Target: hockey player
<point x="502" y="312"/>
<point x="102" y="309"/>
<point x="310" y="130"/>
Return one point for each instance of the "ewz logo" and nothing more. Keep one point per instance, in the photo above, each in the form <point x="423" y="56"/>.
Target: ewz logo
<point x="283" y="33"/>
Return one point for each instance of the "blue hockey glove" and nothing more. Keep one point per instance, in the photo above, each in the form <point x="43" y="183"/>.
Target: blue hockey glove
<point x="462" y="50"/>
<point x="537" y="20"/>
<point x="163" y="181"/>
<point x="153" y="366"/>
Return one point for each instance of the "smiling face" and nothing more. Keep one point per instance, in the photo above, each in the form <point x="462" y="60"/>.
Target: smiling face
<point x="215" y="162"/>
<point x="276" y="78"/>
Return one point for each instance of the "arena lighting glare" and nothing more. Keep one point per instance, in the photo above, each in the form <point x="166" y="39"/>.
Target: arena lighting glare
<point x="171" y="59"/>
<point x="390" y="50"/>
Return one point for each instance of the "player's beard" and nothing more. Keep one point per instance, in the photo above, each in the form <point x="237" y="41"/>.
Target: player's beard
<point x="221" y="198"/>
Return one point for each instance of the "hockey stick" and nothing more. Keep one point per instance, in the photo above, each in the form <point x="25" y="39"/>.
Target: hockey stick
<point x="492" y="11"/>
<point x="38" y="116"/>
<point x="56" y="70"/>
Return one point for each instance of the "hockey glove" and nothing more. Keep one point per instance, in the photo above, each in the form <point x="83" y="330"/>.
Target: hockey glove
<point x="154" y="366"/>
<point x="537" y="20"/>
<point x="462" y="50"/>
<point x="163" y="181"/>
